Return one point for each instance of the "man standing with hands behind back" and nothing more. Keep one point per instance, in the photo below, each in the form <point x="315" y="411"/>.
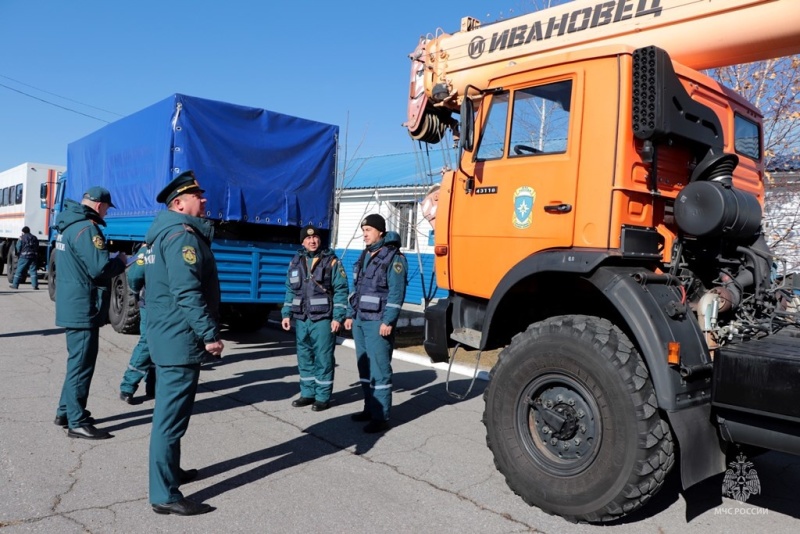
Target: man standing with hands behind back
<point x="85" y="271"/>
<point x="183" y="299"/>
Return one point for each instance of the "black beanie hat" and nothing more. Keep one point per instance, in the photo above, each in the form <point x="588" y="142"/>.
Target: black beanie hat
<point x="309" y="230"/>
<point x="376" y="221"/>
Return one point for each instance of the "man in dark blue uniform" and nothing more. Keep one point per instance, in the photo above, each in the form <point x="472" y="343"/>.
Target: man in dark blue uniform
<point x="183" y="299"/>
<point x="379" y="281"/>
<point x="316" y="297"/>
<point x="85" y="271"/>
<point x="140" y="366"/>
<point x="27" y="254"/>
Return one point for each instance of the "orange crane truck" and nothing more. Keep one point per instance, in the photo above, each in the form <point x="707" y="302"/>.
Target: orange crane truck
<point x="604" y="226"/>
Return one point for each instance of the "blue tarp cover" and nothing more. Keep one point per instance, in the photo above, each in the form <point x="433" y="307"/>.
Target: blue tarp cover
<point x="256" y="165"/>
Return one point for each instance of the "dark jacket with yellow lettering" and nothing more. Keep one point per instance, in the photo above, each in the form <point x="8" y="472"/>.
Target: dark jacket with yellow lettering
<point x="183" y="292"/>
<point x="83" y="267"/>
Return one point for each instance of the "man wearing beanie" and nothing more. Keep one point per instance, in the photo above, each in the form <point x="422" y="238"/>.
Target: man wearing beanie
<point x="379" y="280"/>
<point x="316" y="297"/>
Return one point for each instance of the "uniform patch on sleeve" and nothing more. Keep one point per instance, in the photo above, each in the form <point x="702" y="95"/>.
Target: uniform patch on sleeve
<point x="99" y="242"/>
<point x="398" y="267"/>
<point x="140" y="259"/>
<point x="189" y="255"/>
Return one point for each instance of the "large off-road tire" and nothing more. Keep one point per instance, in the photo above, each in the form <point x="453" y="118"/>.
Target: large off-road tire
<point x="11" y="262"/>
<point x="51" y="275"/>
<point x="123" y="310"/>
<point x="573" y="423"/>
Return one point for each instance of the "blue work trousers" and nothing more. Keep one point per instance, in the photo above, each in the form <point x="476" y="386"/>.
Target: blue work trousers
<point x="140" y="364"/>
<point x="176" y="386"/>
<point x="82" y="345"/>
<point x="315" y="359"/>
<point x="374" y="359"/>
<point x="26" y="264"/>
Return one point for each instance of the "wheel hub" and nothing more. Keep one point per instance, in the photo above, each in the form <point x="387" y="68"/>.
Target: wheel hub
<point x="560" y="422"/>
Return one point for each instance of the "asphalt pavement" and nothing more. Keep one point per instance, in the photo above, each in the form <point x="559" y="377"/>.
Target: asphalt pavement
<point x="267" y="467"/>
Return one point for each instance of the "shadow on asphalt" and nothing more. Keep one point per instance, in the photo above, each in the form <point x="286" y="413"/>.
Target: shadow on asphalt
<point x="331" y="435"/>
<point x="48" y="332"/>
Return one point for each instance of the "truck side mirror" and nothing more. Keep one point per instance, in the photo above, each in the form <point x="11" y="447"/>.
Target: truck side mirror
<point x="467" y="125"/>
<point x="43" y="194"/>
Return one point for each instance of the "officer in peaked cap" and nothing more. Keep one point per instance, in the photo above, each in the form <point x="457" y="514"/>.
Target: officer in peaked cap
<point x="185" y="182"/>
<point x="181" y="332"/>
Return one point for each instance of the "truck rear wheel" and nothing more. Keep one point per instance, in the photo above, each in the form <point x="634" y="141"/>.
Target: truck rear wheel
<point x="245" y="317"/>
<point x="573" y="423"/>
<point x="123" y="311"/>
<point x="11" y="262"/>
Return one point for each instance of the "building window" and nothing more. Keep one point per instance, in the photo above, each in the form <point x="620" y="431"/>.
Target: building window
<point x="404" y="222"/>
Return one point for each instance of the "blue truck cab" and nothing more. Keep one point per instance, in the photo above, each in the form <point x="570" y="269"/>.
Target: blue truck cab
<point x="265" y="174"/>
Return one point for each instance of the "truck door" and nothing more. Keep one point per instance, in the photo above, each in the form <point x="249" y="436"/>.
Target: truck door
<point x="525" y="168"/>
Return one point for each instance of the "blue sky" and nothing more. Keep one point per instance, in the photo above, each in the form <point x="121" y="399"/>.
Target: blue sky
<point x="342" y="62"/>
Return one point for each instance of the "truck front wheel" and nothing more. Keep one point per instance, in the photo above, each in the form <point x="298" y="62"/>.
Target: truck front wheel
<point x="573" y="423"/>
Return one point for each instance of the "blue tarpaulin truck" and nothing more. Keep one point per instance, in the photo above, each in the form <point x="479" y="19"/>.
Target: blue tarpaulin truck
<point x="265" y="174"/>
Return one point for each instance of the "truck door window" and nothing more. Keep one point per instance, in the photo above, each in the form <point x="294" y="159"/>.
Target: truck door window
<point x="540" y="120"/>
<point x="746" y="137"/>
<point x="493" y="136"/>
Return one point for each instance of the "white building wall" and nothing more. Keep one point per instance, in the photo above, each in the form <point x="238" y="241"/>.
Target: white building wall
<point x="348" y="243"/>
<point x="357" y="204"/>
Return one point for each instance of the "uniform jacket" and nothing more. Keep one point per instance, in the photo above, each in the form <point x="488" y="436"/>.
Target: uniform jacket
<point x="379" y="282"/>
<point x="28" y="246"/>
<point x="316" y="287"/>
<point x="84" y="268"/>
<point x="135" y="274"/>
<point x="183" y="294"/>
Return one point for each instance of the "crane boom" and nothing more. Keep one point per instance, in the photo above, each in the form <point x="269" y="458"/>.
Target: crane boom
<point x="700" y="34"/>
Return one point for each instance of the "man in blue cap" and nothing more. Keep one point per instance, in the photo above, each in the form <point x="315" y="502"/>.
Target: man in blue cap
<point x="183" y="299"/>
<point x="85" y="271"/>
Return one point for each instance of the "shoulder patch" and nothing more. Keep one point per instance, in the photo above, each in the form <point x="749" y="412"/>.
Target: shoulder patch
<point x="398" y="267"/>
<point x="140" y="259"/>
<point x="99" y="242"/>
<point x="189" y="255"/>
